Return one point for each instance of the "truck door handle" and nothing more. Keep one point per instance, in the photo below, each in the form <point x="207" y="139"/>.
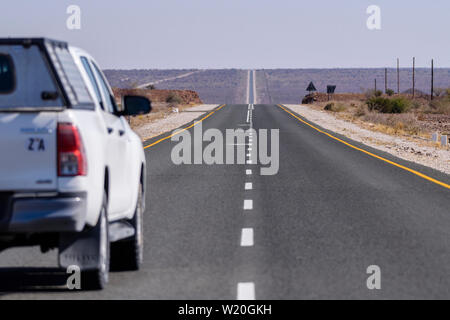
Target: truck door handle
<point x="110" y="130"/>
<point x="121" y="132"/>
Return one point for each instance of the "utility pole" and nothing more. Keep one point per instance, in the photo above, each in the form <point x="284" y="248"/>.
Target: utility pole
<point x="385" y="80"/>
<point x="414" y="77"/>
<point x="432" y="78"/>
<point x="398" y="76"/>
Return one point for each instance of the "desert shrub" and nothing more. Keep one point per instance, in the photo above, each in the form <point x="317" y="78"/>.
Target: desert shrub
<point x="173" y="97"/>
<point x="399" y="105"/>
<point x="439" y="92"/>
<point x="394" y="123"/>
<point x="378" y="93"/>
<point x="360" y="111"/>
<point x="441" y="106"/>
<point x="416" y="104"/>
<point x="378" y="104"/>
<point x="329" y="107"/>
<point x="339" y="107"/>
<point x="390" y="92"/>
<point x="385" y="105"/>
<point x="372" y="93"/>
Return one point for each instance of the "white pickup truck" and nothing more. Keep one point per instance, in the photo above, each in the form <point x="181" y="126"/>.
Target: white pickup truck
<point x="72" y="172"/>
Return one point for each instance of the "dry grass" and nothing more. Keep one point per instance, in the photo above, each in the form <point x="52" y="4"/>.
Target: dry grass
<point x="338" y="106"/>
<point x="394" y="123"/>
<point x="422" y="118"/>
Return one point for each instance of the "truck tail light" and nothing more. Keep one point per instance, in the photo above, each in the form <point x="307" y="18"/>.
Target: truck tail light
<point x="71" y="155"/>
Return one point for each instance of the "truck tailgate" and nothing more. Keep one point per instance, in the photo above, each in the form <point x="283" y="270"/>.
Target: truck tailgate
<point x="28" y="151"/>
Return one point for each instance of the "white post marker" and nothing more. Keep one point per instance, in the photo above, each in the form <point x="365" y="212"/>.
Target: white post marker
<point x="435" y="137"/>
<point x="247" y="237"/>
<point x="248" y="186"/>
<point x="248" y="204"/>
<point x="444" y="140"/>
<point x="248" y="172"/>
<point x="246" y="291"/>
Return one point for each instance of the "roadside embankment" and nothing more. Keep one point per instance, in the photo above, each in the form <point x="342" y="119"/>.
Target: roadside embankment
<point x="152" y="125"/>
<point x="161" y="96"/>
<point x="170" y="110"/>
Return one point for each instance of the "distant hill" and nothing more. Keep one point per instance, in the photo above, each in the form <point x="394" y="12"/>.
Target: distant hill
<point x="275" y="85"/>
<point x="127" y="79"/>
<point x="213" y="86"/>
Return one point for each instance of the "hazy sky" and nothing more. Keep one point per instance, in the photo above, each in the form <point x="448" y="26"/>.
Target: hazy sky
<point x="241" y="33"/>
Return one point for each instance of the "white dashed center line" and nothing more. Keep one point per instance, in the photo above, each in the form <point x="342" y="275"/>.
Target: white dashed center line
<point x="246" y="291"/>
<point x="248" y="204"/>
<point x="247" y="237"/>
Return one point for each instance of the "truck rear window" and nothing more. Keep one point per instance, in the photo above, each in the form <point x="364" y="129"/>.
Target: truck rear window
<point x="32" y="79"/>
<point x="7" y="75"/>
<point x="40" y="76"/>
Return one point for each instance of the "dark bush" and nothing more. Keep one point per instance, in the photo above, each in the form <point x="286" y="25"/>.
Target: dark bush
<point x="385" y="105"/>
<point x="329" y="107"/>
<point x="378" y="93"/>
<point x="390" y="92"/>
<point x="399" y="105"/>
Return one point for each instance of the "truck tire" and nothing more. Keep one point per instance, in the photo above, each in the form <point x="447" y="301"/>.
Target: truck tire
<point x="127" y="255"/>
<point x="97" y="279"/>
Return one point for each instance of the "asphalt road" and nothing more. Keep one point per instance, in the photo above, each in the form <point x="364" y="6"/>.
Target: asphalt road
<point x="251" y="85"/>
<point x="329" y="213"/>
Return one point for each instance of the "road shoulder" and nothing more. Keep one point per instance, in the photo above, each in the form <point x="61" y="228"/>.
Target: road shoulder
<point x="418" y="152"/>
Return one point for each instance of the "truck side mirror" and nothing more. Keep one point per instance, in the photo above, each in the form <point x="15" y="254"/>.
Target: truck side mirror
<point x="135" y="105"/>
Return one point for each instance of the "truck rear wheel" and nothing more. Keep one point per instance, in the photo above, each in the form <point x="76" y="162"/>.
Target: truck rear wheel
<point x="97" y="279"/>
<point x="128" y="253"/>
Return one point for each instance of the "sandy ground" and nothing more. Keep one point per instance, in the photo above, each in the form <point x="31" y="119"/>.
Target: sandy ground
<point x="410" y="148"/>
<point x="172" y="121"/>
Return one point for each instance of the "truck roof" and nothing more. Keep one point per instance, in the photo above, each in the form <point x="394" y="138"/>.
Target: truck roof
<point x="33" y="41"/>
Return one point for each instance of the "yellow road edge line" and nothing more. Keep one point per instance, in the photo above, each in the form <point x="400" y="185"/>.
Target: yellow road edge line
<point x="178" y="132"/>
<point x="417" y="173"/>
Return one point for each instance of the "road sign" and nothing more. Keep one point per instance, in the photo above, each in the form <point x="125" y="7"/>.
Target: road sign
<point x="330" y="89"/>
<point x="311" y="87"/>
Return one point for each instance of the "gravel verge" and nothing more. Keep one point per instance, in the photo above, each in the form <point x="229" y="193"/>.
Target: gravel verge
<point x="172" y="121"/>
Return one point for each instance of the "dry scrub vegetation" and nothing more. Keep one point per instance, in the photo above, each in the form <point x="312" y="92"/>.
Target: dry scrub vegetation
<point x="394" y="114"/>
